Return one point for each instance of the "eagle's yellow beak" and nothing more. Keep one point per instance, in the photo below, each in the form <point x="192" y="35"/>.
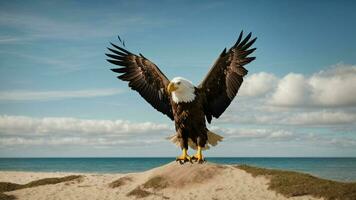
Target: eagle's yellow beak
<point x="171" y="87"/>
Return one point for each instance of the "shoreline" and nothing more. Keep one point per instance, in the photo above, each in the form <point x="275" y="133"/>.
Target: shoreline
<point x="322" y="167"/>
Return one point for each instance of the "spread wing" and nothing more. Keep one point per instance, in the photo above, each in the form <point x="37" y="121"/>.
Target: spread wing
<point x="224" y="79"/>
<point x="143" y="76"/>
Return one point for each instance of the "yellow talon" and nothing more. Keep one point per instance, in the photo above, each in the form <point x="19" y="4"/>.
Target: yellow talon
<point x="198" y="157"/>
<point x="184" y="157"/>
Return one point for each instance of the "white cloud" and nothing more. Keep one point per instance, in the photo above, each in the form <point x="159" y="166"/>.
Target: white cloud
<point x="50" y="131"/>
<point x="331" y="141"/>
<point x="301" y="118"/>
<point x="22" y="125"/>
<point x="334" y="87"/>
<point x="291" y="90"/>
<point x="25" y="95"/>
<point x="258" y="84"/>
<point x="323" y="99"/>
<point x="283" y="135"/>
<point x="320" y="118"/>
<point x="255" y="133"/>
<point x="22" y="130"/>
<point x="95" y="142"/>
<point x="342" y="142"/>
<point x="330" y="88"/>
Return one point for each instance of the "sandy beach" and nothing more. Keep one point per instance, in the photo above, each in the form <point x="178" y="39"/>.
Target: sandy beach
<point x="171" y="181"/>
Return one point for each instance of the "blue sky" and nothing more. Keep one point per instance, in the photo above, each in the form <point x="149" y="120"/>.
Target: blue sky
<point x="59" y="98"/>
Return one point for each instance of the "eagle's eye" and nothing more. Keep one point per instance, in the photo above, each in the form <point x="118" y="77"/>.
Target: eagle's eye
<point x="178" y="82"/>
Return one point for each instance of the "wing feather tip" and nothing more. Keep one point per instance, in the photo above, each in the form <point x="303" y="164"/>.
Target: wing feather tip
<point x="116" y="62"/>
<point x="238" y="39"/>
<point x="120" y="48"/>
<point x="119" y="70"/>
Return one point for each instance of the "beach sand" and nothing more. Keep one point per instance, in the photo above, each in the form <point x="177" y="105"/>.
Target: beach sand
<point x="172" y="181"/>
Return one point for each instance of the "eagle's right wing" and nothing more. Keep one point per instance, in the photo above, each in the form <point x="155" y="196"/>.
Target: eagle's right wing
<point x="143" y="76"/>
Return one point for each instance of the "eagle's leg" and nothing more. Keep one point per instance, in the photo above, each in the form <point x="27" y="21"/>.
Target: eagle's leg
<point x="184" y="157"/>
<point x="201" y="142"/>
<point x="198" y="157"/>
<point x="183" y="140"/>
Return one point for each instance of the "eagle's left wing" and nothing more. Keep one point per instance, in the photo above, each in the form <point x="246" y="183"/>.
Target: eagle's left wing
<point x="224" y="79"/>
<point x="143" y="76"/>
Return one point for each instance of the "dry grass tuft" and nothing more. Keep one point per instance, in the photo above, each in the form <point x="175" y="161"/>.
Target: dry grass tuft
<point x="120" y="182"/>
<point x="7" y="197"/>
<point x="156" y="183"/>
<point x="7" y="186"/>
<point x="51" y="181"/>
<point x="139" y="193"/>
<point x="292" y="184"/>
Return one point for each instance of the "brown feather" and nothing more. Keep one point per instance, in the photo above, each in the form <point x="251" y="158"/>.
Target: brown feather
<point x="224" y="79"/>
<point x="143" y="76"/>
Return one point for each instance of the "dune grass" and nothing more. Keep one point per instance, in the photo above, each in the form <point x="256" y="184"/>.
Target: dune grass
<point x="7" y="197"/>
<point x="7" y="186"/>
<point x="120" y="182"/>
<point x="139" y="193"/>
<point x="292" y="184"/>
<point x="156" y="183"/>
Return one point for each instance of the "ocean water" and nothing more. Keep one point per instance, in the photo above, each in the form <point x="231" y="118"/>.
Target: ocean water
<point x="343" y="169"/>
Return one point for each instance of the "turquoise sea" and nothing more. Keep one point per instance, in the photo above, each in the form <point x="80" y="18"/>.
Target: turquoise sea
<point x="343" y="169"/>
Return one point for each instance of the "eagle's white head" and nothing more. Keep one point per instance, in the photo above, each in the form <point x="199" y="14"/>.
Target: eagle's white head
<point x="182" y="90"/>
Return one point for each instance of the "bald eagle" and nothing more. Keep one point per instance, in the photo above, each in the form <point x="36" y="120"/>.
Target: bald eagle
<point x="188" y="105"/>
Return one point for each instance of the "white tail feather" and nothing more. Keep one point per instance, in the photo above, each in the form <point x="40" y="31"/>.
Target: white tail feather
<point x="213" y="140"/>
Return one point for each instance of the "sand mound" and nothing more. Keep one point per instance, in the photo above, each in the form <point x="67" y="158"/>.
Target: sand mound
<point x="177" y="176"/>
<point x="172" y="176"/>
<point x="171" y="181"/>
<point x="196" y="181"/>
